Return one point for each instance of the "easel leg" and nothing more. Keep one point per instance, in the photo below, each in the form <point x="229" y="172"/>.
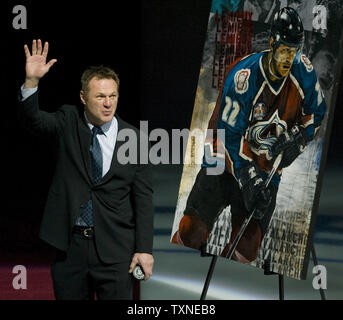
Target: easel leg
<point x="281" y="288"/>
<point x="315" y="262"/>
<point x="267" y="272"/>
<point x="208" y="278"/>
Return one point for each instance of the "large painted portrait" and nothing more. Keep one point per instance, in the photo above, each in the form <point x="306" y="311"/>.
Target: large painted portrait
<point x="259" y="132"/>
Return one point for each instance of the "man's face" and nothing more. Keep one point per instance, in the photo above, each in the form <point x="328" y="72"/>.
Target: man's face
<point x="282" y="60"/>
<point x="100" y="101"/>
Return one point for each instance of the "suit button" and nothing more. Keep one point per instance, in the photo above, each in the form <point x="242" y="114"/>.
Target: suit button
<point x="82" y="206"/>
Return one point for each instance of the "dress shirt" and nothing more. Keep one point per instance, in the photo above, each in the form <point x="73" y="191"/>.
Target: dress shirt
<point x="25" y="93"/>
<point x="107" y="141"/>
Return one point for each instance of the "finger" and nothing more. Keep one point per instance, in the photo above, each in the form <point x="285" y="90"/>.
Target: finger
<point x="132" y="266"/>
<point x="34" y="47"/>
<point x="27" y="51"/>
<point x="39" y="51"/>
<point x="147" y="268"/>
<point x="51" y="63"/>
<point x="147" y="274"/>
<point x="46" y="49"/>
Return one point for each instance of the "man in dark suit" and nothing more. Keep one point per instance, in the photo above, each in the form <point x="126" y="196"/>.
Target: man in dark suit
<point x="99" y="212"/>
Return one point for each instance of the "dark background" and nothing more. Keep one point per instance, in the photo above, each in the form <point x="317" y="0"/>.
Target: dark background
<point x="156" y="48"/>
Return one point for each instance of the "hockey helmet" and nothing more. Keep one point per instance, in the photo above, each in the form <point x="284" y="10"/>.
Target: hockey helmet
<point x="287" y="29"/>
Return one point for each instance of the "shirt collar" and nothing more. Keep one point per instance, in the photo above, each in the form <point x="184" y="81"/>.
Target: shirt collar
<point x="105" y="127"/>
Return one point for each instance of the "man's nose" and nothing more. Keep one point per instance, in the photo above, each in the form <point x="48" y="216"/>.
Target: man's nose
<point x="107" y="102"/>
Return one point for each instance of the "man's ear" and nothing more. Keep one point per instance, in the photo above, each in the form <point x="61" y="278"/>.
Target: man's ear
<point x="83" y="97"/>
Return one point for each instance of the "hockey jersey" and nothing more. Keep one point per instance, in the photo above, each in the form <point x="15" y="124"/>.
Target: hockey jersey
<point x="254" y="111"/>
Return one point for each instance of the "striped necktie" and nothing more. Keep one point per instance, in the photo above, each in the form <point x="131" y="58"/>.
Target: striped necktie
<point x="96" y="160"/>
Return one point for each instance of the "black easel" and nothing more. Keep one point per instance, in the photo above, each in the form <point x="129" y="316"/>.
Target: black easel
<point x="266" y="272"/>
<point x="209" y="276"/>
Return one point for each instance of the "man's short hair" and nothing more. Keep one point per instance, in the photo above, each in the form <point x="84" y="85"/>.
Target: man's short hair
<point x="99" y="72"/>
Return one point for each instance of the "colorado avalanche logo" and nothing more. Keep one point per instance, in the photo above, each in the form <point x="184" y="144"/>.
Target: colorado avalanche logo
<point x="242" y="80"/>
<point x="263" y="134"/>
<point x="259" y="111"/>
<point x="307" y="63"/>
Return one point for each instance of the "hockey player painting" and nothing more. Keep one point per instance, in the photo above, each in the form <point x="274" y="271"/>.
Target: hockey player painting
<point x="270" y="104"/>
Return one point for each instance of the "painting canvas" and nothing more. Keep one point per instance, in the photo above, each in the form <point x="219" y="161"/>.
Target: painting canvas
<point x="237" y="33"/>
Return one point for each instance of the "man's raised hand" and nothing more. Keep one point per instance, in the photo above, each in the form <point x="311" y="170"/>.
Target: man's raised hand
<point x="36" y="66"/>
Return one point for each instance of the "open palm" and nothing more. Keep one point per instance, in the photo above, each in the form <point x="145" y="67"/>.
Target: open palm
<point x="36" y="66"/>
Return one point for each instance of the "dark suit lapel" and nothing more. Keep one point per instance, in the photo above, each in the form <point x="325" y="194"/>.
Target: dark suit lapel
<point x="85" y="138"/>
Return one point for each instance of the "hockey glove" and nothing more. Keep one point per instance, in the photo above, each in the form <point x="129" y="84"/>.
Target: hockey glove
<point x="255" y="194"/>
<point x="291" y="143"/>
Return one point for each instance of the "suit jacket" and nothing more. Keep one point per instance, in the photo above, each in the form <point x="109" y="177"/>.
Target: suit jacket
<point x="122" y="200"/>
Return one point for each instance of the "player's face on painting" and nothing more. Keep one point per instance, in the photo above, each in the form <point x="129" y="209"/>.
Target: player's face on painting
<point x="283" y="58"/>
<point x="100" y="101"/>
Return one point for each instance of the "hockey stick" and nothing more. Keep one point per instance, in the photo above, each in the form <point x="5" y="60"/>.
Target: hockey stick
<point x="240" y="233"/>
<point x="247" y="220"/>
